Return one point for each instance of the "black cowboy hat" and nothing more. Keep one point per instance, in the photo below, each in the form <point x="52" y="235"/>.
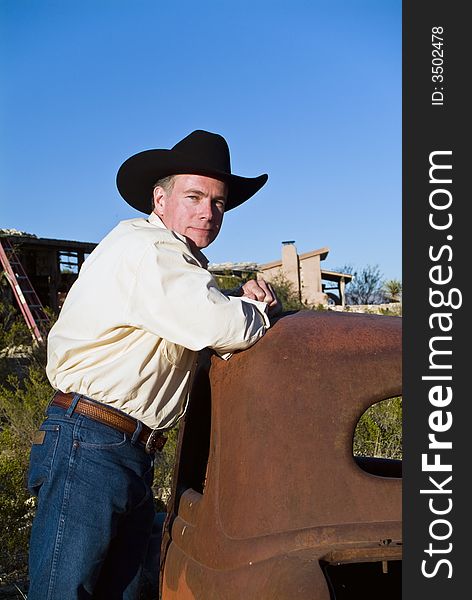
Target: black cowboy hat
<point x="200" y="153"/>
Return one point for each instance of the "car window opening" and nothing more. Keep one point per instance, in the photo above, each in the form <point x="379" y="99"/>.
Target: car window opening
<point x="377" y="440"/>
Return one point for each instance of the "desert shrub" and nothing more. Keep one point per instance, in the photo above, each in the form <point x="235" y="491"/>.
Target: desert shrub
<point x="16" y="508"/>
<point x="22" y="404"/>
<point x="228" y="281"/>
<point x="13" y="329"/>
<point x="379" y="430"/>
<point x="164" y="468"/>
<point x="286" y="293"/>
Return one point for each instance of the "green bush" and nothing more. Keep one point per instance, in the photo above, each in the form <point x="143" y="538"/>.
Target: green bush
<point x="13" y="330"/>
<point x="16" y="508"/>
<point x="286" y="293"/>
<point x="24" y="393"/>
<point x="379" y="430"/>
<point x="228" y="281"/>
<point x="22" y="405"/>
<point x="164" y="469"/>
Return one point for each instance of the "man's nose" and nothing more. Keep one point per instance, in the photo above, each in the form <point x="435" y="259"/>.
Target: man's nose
<point x="206" y="209"/>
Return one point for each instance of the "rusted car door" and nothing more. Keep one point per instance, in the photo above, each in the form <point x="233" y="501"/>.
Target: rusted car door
<point x="268" y="501"/>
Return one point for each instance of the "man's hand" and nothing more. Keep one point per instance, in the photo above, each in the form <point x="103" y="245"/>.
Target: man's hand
<point x="261" y="290"/>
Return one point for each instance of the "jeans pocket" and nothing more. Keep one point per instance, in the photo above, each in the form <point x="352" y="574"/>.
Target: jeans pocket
<point x="97" y="436"/>
<point x="43" y="452"/>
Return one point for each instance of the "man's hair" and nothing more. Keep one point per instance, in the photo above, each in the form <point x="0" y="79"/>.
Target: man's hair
<point x="166" y="183"/>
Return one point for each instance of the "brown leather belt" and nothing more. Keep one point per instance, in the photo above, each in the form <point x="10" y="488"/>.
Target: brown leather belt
<point x="151" y="439"/>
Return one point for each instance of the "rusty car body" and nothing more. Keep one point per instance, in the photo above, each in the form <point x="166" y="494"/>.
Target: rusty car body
<point x="268" y="501"/>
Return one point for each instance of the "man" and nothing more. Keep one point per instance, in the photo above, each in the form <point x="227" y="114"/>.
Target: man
<point x="121" y="357"/>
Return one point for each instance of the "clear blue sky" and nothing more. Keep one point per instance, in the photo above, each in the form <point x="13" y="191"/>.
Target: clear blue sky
<point x="308" y="91"/>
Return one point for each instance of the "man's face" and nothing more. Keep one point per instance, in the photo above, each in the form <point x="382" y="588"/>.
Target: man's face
<point x="194" y="207"/>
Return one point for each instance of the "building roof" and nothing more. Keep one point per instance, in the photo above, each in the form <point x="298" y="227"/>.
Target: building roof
<point x="335" y="275"/>
<point x="321" y="252"/>
<point x="28" y="239"/>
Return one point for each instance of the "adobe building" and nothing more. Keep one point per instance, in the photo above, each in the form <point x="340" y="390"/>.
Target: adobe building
<point x="312" y="284"/>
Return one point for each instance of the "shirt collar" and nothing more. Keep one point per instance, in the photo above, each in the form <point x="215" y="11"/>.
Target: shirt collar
<point x="202" y="259"/>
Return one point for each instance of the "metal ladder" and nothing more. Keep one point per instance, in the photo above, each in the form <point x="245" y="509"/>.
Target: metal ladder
<point x="26" y="297"/>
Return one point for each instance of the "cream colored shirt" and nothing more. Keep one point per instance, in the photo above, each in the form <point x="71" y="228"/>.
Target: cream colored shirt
<point x="131" y="326"/>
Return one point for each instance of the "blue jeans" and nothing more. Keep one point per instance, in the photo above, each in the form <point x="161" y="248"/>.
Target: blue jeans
<point x="95" y="510"/>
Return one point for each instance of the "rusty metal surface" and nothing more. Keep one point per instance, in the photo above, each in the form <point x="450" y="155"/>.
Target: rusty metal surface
<point x="282" y="488"/>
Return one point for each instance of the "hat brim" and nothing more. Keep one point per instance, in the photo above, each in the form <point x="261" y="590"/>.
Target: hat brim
<point x="138" y="174"/>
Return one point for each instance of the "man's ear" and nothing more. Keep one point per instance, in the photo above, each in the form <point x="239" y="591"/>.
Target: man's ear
<point x="159" y="200"/>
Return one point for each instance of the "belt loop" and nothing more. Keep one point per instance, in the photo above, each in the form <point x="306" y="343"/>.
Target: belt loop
<point x="73" y="404"/>
<point x="137" y="432"/>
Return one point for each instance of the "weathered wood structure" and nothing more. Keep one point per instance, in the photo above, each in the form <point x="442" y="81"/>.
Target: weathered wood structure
<point x="52" y="265"/>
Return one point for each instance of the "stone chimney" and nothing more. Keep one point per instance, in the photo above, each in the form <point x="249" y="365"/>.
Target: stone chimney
<point x="290" y="266"/>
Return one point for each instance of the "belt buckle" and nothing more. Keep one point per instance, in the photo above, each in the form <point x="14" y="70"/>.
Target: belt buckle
<point x="155" y="441"/>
